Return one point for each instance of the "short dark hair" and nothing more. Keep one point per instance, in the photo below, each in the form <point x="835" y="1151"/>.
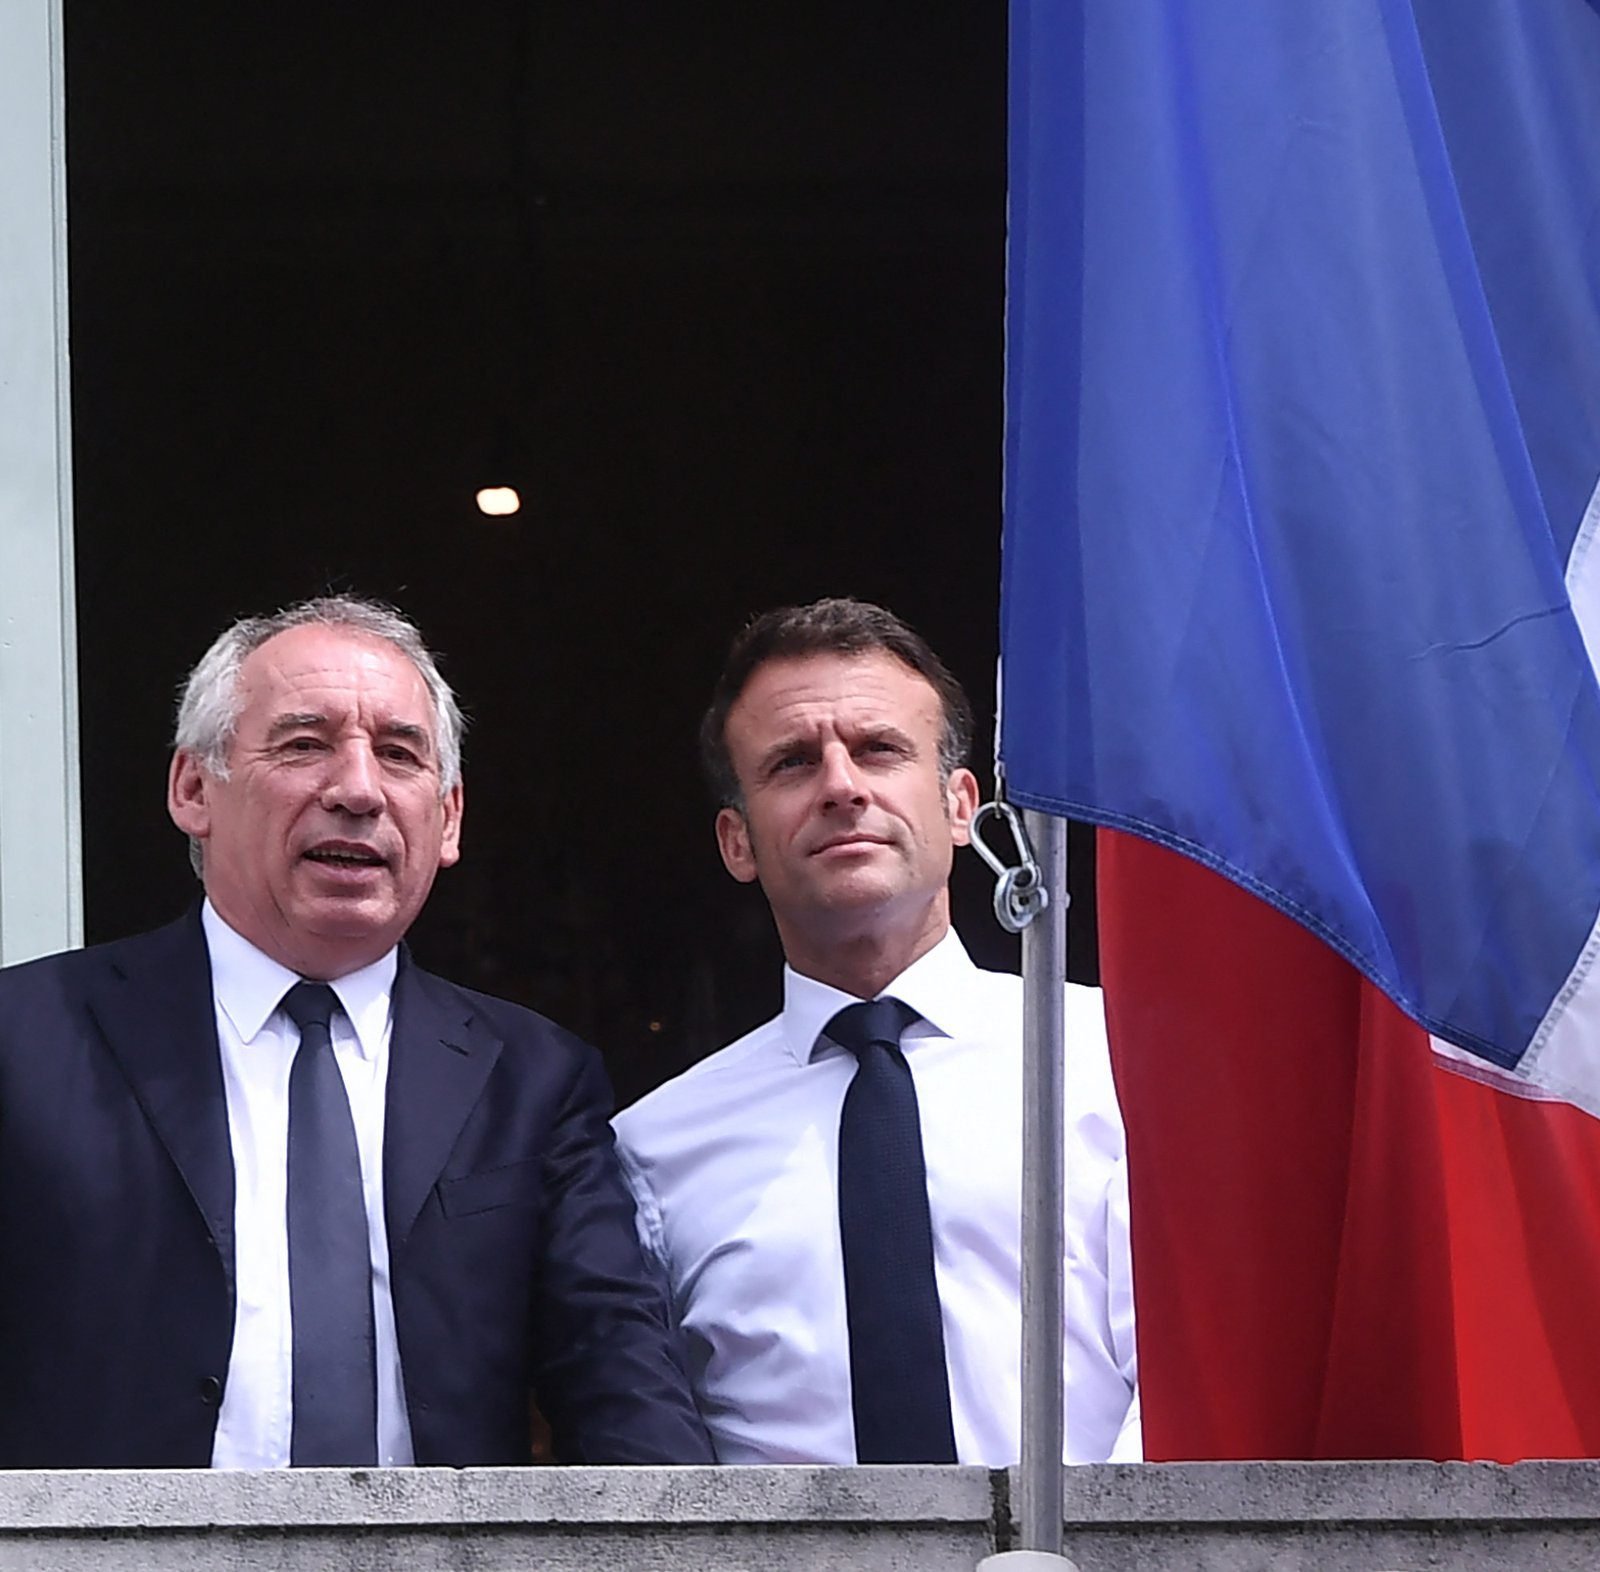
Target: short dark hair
<point x="835" y="626"/>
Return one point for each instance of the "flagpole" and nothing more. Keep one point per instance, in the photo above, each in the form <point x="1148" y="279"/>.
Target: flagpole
<point x="1044" y="970"/>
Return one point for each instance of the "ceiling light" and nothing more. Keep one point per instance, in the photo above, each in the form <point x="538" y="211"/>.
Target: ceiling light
<point x="499" y="501"/>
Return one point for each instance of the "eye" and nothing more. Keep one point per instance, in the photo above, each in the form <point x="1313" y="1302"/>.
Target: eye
<point x="399" y="753"/>
<point x="303" y="745"/>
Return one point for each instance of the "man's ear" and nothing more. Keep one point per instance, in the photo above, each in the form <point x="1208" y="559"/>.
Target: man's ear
<point x="450" y="842"/>
<point x="961" y="803"/>
<point x="187" y="801"/>
<point x="733" y="841"/>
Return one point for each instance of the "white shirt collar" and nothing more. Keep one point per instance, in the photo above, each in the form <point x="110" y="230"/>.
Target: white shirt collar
<point x="249" y="985"/>
<point x="937" y="986"/>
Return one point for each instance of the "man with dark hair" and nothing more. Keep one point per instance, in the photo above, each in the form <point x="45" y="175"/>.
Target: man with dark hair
<point x="835" y="1197"/>
<point x="269" y="1192"/>
<point x="835" y="626"/>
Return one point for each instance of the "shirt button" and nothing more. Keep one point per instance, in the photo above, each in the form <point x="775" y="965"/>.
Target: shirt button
<point x="210" y="1391"/>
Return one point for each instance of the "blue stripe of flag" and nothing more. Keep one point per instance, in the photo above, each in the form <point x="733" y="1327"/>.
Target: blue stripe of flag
<point x="1303" y="414"/>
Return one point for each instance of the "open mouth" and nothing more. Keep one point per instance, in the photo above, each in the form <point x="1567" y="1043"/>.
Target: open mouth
<point x="345" y="857"/>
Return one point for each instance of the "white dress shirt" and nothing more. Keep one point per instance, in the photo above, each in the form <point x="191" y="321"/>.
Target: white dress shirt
<point x="734" y="1166"/>
<point x="258" y="1043"/>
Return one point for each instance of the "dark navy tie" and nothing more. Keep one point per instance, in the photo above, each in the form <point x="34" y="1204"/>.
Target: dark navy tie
<point x="330" y="1260"/>
<point x="899" y="1386"/>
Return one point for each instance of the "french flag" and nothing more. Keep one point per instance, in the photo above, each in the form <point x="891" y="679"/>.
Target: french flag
<point x="1299" y="581"/>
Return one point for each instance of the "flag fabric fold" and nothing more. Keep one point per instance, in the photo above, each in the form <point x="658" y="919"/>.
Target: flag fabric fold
<point x="1303" y="442"/>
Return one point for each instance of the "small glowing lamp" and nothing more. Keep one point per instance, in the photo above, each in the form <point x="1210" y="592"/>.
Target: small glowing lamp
<point x="499" y="502"/>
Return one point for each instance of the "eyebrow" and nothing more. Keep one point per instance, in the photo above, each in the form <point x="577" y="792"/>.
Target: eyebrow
<point x="802" y="742"/>
<point x="310" y="720"/>
<point x="406" y="731"/>
<point x="301" y="722"/>
<point x="782" y="750"/>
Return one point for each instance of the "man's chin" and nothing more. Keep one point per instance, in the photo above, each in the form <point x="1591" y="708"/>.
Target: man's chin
<point x="859" y="890"/>
<point x="350" y="919"/>
<point x="328" y="946"/>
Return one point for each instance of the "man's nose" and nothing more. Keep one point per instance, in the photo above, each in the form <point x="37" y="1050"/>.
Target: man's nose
<point x="353" y="782"/>
<point x="841" y="781"/>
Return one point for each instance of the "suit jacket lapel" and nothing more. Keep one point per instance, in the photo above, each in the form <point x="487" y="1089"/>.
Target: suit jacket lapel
<point x="440" y="1055"/>
<point x="153" y="1004"/>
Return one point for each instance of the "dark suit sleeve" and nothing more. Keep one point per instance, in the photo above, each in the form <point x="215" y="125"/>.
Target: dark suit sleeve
<point x="608" y="1373"/>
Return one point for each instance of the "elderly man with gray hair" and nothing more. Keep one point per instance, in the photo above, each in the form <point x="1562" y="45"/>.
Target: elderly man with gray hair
<point x="272" y="1194"/>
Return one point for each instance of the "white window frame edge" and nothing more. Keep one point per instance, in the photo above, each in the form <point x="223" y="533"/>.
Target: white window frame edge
<point x="41" y="879"/>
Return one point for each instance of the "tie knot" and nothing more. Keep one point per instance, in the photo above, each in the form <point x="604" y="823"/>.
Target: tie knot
<point x="310" y="1004"/>
<point x="858" y="1026"/>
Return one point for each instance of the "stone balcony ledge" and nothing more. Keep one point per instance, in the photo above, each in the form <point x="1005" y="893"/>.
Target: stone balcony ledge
<point x="1368" y="1517"/>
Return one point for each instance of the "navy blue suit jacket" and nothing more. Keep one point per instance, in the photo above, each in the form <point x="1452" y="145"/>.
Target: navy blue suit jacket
<point x="513" y="1257"/>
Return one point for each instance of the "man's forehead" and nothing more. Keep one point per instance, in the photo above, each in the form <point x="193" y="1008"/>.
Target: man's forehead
<point x="308" y="669"/>
<point x="811" y="690"/>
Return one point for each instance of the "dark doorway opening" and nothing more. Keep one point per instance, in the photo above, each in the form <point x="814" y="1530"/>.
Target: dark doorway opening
<point x="718" y="287"/>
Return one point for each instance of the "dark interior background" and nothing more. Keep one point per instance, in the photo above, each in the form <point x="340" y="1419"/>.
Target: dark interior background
<point x="718" y="286"/>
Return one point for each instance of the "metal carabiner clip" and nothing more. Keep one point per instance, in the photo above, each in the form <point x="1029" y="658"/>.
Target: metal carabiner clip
<point x="1020" y="893"/>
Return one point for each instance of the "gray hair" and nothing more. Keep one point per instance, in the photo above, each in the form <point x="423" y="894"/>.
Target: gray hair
<point x="208" y="710"/>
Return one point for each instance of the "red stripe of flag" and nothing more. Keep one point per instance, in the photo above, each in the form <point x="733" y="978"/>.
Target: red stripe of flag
<point x="1341" y="1249"/>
